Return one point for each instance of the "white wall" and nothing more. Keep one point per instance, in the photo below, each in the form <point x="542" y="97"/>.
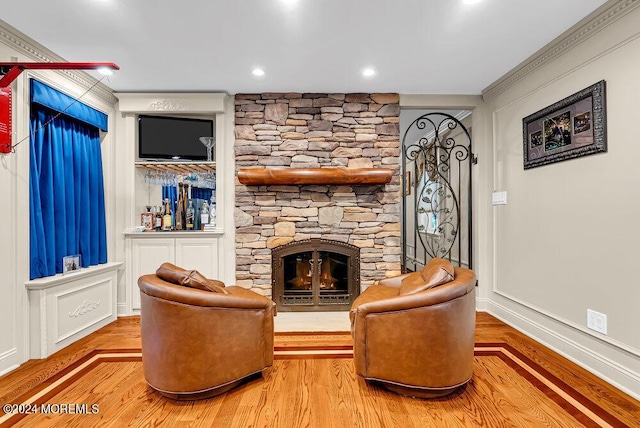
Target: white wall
<point x="567" y="240"/>
<point x="13" y="302"/>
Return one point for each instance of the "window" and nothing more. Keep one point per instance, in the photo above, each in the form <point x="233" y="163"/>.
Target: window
<point x="67" y="214"/>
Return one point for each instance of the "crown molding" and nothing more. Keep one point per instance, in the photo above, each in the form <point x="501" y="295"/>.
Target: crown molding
<point x="36" y="52"/>
<point x="604" y="16"/>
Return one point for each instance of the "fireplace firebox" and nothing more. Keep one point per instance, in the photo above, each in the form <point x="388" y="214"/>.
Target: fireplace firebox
<point x="315" y="275"/>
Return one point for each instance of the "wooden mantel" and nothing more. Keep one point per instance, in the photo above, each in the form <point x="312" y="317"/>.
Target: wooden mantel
<point x="263" y="176"/>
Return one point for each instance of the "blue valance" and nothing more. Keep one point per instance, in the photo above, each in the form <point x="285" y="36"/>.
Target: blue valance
<point x="52" y="98"/>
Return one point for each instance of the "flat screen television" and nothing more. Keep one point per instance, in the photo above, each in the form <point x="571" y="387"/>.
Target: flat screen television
<point x="176" y="138"/>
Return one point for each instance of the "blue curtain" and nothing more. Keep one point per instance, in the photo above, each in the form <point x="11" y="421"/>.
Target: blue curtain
<point x="201" y="193"/>
<point x="55" y="100"/>
<point x="196" y="193"/>
<point x="66" y="192"/>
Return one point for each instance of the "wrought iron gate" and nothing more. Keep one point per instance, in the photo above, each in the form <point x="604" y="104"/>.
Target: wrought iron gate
<point x="436" y="204"/>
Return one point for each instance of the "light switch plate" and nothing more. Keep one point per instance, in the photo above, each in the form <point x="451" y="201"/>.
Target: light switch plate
<point x="499" y="198"/>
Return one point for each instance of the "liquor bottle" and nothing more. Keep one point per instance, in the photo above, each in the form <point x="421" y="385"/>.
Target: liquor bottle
<point x="158" y="218"/>
<point x="204" y="215"/>
<point x="186" y="195"/>
<point x="179" y="212"/>
<point x="147" y="219"/>
<point x="212" y="209"/>
<point x="190" y="214"/>
<point x="167" y="220"/>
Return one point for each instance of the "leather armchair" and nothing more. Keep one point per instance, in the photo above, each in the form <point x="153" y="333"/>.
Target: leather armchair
<point x="414" y="337"/>
<point x="200" y="338"/>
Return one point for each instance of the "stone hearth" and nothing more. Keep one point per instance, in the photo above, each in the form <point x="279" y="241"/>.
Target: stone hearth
<point x="293" y="130"/>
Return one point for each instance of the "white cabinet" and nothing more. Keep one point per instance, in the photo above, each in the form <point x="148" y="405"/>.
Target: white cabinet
<point x="147" y="251"/>
<point x="199" y="254"/>
<point x="146" y="256"/>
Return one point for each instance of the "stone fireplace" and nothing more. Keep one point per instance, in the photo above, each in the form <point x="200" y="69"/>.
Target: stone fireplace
<point x="315" y="275"/>
<point x="305" y="131"/>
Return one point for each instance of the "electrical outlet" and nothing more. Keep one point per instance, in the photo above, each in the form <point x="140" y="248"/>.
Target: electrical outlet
<point x="597" y="321"/>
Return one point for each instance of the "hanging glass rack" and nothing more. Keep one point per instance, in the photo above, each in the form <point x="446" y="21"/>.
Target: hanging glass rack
<point x="179" y="167"/>
<point x="198" y="174"/>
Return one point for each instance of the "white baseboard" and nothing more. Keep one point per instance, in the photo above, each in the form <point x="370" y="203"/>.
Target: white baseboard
<point x="9" y="369"/>
<point x="606" y="368"/>
<point x="481" y="304"/>
<point x="122" y="310"/>
<point x="5" y="359"/>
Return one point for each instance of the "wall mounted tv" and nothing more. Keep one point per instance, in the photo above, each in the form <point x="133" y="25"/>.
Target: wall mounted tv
<point x="174" y="138"/>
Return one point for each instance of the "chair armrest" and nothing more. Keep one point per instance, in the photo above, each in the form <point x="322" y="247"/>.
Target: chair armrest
<point x="463" y="283"/>
<point x="430" y="297"/>
<point x="243" y="293"/>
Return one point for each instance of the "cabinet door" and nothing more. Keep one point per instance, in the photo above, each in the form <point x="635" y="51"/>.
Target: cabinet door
<point x="199" y="254"/>
<point x="147" y="256"/>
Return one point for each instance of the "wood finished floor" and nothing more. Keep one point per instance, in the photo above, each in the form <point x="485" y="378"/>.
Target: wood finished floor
<point x="324" y="391"/>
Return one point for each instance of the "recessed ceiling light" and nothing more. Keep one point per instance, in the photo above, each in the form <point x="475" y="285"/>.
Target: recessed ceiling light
<point x="258" y="72"/>
<point x="368" y="72"/>
<point x="471" y="1"/>
<point x="104" y="70"/>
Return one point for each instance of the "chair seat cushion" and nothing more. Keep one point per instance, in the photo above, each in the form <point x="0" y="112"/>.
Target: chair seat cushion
<point x="436" y="272"/>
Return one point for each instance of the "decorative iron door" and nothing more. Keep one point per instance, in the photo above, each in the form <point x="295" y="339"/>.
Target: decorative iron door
<point x="436" y="203"/>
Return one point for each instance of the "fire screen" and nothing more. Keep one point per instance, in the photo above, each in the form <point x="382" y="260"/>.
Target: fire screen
<point x="315" y="275"/>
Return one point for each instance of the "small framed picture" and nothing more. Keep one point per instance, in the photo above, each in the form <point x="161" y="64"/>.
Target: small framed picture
<point x="70" y="264"/>
<point x="146" y="220"/>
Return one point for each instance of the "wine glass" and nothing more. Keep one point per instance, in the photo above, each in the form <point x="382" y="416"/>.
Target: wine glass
<point x="209" y="143"/>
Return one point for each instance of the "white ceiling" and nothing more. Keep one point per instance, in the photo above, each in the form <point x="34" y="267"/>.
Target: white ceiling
<point x="415" y="46"/>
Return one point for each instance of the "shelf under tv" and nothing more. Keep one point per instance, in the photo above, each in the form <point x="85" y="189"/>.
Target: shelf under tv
<point x="178" y="167"/>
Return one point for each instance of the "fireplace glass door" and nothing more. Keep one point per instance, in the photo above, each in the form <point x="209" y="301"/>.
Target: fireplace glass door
<point x="314" y="277"/>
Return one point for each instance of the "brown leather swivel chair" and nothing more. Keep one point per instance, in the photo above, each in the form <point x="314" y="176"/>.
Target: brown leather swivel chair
<point x="200" y="338"/>
<point x="414" y="333"/>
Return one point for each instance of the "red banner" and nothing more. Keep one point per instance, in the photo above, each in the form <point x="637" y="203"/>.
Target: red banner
<point x="5" y="120"/>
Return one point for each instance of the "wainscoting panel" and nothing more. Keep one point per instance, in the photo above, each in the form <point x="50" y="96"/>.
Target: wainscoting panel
<point x="65" y="308"/>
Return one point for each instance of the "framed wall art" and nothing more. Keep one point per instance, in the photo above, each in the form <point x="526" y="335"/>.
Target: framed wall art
<point x="568" y="129"/>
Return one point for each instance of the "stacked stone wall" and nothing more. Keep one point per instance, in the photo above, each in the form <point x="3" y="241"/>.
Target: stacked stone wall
<point x="294" y="130"/>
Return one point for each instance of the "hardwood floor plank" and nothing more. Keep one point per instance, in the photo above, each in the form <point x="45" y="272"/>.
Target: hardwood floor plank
<point x="517" y="400"/>
<point x="516" y="382"/>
